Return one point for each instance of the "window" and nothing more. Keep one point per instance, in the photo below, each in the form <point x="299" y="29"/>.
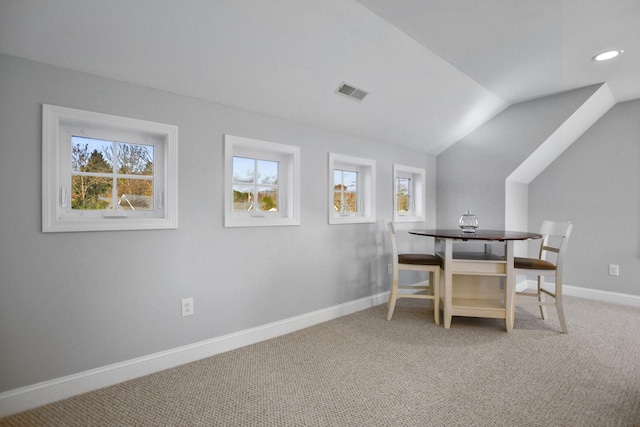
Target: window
<point x="255" y="185"/>
<point x="103" y="172"/>
<point x="351" y="189"/>
<point x="345" y="191"/>
<point x="261" y="183"/>
<point x="409" y="194"/>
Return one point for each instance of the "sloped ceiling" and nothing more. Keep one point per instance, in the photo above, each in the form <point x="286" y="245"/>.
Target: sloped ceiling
<point x="521" y="50"/>
<point x="435" y="69"/>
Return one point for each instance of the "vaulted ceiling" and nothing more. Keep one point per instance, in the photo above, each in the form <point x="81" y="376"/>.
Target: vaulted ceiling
<point x="434" y="70"/>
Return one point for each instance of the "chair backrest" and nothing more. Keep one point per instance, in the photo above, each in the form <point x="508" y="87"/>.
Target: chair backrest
<point x="394" y="243"/>
<point x="554" y="241"/>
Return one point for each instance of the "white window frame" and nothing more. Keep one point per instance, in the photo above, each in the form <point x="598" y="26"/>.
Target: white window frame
<point x="366" y="169"/>
<point x="288" y="157"/>
<point x="417" y="193"/>
<point x="59" y="124"/>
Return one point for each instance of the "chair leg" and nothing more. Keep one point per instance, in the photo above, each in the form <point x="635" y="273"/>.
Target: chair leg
<point x="393" y="295"/>
<point x="560" y="308"/>
<point x="541" y="297"/>
<point x="435" y="285"/>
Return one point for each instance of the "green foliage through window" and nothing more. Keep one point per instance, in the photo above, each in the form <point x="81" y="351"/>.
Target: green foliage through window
<point x="106" y="171"/>
<point x="251" y="178"/>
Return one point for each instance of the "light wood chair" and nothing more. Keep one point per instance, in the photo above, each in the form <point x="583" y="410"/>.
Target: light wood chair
<point x="414" y="262"/>
<point x="549" y="263"/>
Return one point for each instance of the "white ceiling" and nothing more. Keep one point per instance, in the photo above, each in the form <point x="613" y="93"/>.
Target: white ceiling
<point x="435" y="69"/>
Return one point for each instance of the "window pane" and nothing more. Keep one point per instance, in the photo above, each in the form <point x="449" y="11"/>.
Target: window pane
<point x="135" y="194"/>
<point x="338" y="188"/>
<point x="337" y="201"/>
<point x="351" y="201"/>
<point x="345" y="187"/>
<point x="242" y="198"/>
<point x="337" y="179"/>
<point x="402" y="185"/>
<point x="134" y="159"/>
<point x="402" y="204"/>
<point x="91" y="155"/>
<point x="243" y="170"/>
<point x="90" y="192"/>
<point x="252" y="171"/>
<point x="267" y="172"/>
<point x="268" y="199"/>
<point x="350" y="181"/>
<point x="345" y="201"/>
<point x="403" y="195"/>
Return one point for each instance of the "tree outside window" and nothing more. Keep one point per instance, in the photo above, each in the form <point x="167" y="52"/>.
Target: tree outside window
<point x="351" y="195"/>
<point x="345" y="191"/>
<point x="403" y="195"/>
<point x="110" y="173"/>
<point x="255" y="180"/>
<point x="409" y="193"/>
<point x="98" y="167"/>
<point x="261" y="183"/>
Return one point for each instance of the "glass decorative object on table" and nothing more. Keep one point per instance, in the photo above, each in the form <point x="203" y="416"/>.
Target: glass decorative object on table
<point x="468" y="222"/>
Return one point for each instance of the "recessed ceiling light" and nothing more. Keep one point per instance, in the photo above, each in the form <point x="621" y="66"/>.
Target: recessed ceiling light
<point x="605" y="56"/>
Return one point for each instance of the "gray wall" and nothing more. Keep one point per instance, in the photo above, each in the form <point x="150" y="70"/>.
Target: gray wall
<point x="62" y="308"/>
<point x="471" y="174"/>
<point x="595" y="184"/>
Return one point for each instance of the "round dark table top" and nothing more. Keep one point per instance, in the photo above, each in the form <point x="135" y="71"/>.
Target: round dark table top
<point x="499" y="235"/>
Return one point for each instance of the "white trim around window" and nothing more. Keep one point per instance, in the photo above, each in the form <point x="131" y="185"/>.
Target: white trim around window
<point x="264" y="188"/>
<point x="408" y="194"/>
<point x="352" y="190"/>
<point x="138" y="155"/>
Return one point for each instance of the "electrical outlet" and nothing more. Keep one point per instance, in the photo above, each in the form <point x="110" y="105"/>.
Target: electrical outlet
<point x="614" y="270"/>
<point x="187" y="307"/>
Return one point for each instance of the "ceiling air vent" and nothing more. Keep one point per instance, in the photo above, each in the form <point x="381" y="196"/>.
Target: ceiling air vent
<point x="351" y="91"/>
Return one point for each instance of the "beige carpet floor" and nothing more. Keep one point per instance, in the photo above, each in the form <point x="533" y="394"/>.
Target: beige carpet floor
<point x="361" y="370"/>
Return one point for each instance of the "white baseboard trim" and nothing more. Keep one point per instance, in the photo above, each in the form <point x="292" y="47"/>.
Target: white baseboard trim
<point x="587" y="293"/>
<point x="28" y="397"/>
<point x="604" y="296"/>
